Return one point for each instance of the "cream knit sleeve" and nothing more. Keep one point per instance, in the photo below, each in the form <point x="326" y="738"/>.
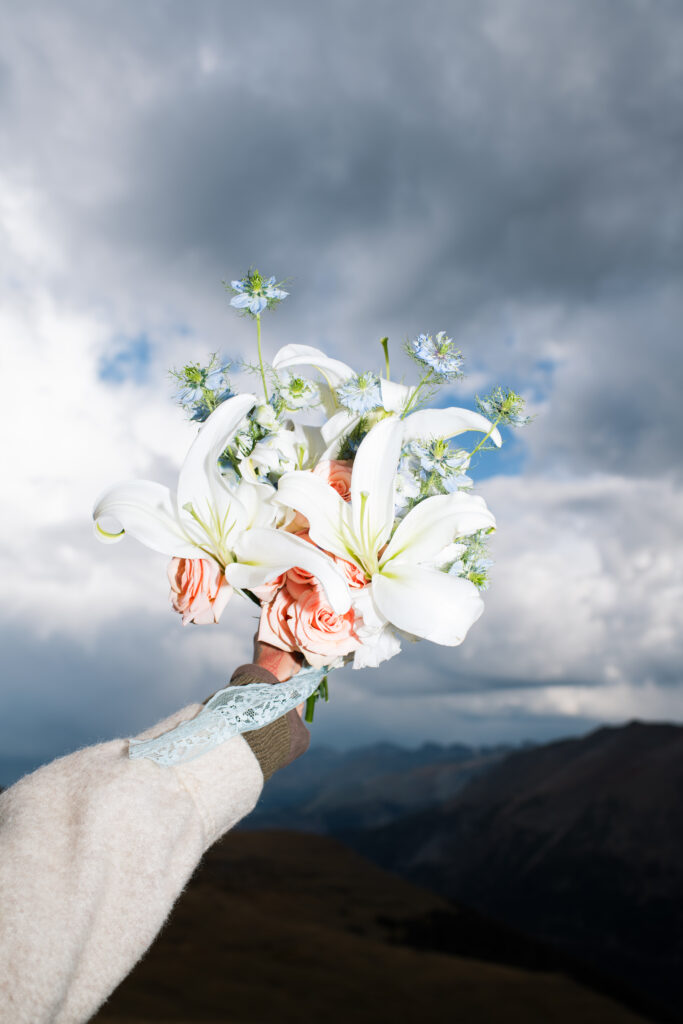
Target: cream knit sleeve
<point x="94" y="850"/>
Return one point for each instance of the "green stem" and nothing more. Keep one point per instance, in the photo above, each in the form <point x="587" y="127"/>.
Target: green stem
<point x="415" y="393"/>
<point x="431" y="479"/>
<point x="260" y="356"/>
<point x="323" y="692"/>
<point x="485" y="438"/>
<point x="310" y="707"/>
<point x="385" y="345"/>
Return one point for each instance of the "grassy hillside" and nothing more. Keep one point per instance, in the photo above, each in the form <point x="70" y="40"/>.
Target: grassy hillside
<point x="278" y="927"/>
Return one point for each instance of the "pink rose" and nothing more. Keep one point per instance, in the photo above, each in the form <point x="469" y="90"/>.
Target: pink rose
<point x="199" y="590"/>
<point x="298" y="580"/>
<point x="336" y="473"/>
<point x="274" y="625"/>
<point x="267" y="591"/>
<point x="355" y="577"/>
<point x="306" y="623"/>
<point x="320" y="634"/>
<point x="296" y="524"/>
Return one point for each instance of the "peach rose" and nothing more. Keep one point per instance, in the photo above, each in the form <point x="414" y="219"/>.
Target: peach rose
<point x="336" y="473"/>
<point x="274" y="625"/>
<point x="298" y="580"/>
<point x="199" y="590"/>
<point x="320" y="634"/>
<point x="267" y="591"/>
<point x="355" y="577"/>
<point x="306" y="623"/>
<point x="297" y="523"/>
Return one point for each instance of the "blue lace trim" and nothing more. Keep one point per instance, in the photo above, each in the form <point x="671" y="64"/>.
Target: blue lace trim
<point x="234" y="710"/>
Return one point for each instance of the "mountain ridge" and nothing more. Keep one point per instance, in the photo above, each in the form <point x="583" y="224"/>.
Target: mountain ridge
<point x="578" y="842"/>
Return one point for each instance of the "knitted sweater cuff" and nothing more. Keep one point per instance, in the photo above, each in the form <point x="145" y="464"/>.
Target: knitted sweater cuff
<point x="271" y="745"/>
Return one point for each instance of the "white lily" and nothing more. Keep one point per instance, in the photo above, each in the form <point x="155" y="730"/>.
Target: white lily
<point x="405" y="588"/>
<point x="333" y="371"/>
<point x="209" y="518"/>
<point x="291" y="446"/>
<point x="425" y="423"/>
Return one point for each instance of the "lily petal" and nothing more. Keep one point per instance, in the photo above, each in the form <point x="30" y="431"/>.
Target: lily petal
<point x="427" y="603"/>
<point x="333" y="370"/>
<point x="256" y="499"/>
<point x="200" y="481"/>
<point x="310" y="442"/>
<point x="335" y="428"/>
<point x="372" y="484"/>
<point x="327" y="513"/>
<point x="446" y="423"/>
<point x="146" y="511"/>
<point x="264" y="554"/>
<point x="395" y="396"/>
<point x="433" y="524"/>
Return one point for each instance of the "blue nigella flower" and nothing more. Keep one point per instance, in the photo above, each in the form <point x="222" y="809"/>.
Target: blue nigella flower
<point x="255" y="293"/>
<point x="296" y="392"/>
<point x="457" y="482"/>
<point x="439" y="353"/>
<point x="438" y="457"/>
<point x="474" y="563"/>
<point x="201" y="389"/>
<point x="504" y="406"/>
<point x="203" y="407"/>
<point x="407" y="485"/>
<point x="360" y="394"/>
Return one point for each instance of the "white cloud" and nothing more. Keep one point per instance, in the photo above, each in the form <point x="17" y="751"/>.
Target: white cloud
<point x="532" y="215"/>
<point x="587" y="582"/>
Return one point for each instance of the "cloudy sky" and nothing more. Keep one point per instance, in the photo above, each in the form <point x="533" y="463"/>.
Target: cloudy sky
<point x="510" y="171"/>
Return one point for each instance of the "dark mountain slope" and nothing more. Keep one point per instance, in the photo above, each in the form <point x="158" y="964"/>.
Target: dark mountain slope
<point x="368" y="786"/>
<point x="279" y="927"/>
<point x="579" y="843"/>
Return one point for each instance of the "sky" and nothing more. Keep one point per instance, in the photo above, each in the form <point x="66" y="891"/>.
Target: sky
<point x="509" y="171"/>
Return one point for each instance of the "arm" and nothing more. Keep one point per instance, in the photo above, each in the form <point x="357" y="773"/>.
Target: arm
<point x="95" y="849"/>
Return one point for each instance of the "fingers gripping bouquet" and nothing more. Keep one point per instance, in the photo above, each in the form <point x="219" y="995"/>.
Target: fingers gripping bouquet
<point x="351" y="536"/>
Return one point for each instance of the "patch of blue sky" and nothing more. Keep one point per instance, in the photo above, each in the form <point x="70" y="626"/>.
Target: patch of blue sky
<point x="542" y="381"/>
<point x="127" y="360"/>
<point x="509" y="460"/>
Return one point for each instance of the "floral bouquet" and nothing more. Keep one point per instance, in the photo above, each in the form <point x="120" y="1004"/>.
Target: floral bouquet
<point x="352" y="536"/>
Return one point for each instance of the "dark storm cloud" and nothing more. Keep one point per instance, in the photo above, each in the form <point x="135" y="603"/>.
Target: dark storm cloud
<point x="542" y="142"/>
<point x="460" y="160"/>
<point x="509" y="170"/>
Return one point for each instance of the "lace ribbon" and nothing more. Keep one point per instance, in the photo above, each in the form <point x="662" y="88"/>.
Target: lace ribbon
<point x="231" y="711"/>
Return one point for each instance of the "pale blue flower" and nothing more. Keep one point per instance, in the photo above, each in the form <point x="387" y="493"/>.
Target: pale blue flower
<point x="474" y="563"/>
<point x="297" y="392"/>
<point x="407" y="485"/>
<point x="255" y="293"/>
<point x="504" y="406"/>
<point x="360" y="394"/>
<point x="439" y="353"/>
<point x="201" y="389"/>
<point x="437" y="456"/>
<point x="458" y="482"/>
<point x="200" y="409"/>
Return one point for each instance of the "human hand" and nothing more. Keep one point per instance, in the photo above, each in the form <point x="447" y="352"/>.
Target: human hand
<point x="282" y="664"/>
<point x="282" y="741"/>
